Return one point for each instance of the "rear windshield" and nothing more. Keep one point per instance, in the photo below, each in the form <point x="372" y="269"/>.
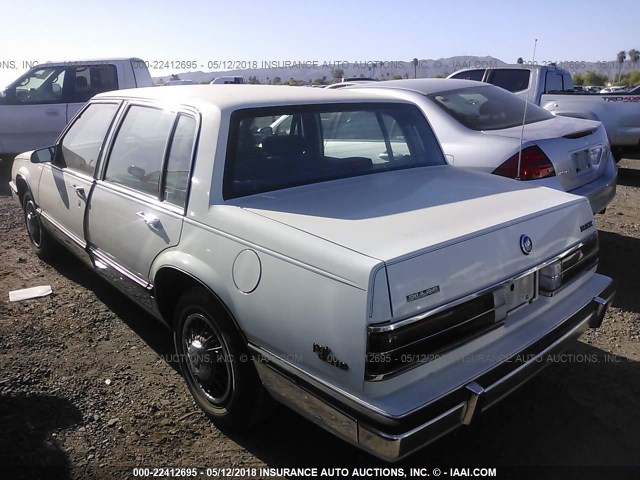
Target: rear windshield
<point x="487" y="108"/>
<point x="275" y="148"/>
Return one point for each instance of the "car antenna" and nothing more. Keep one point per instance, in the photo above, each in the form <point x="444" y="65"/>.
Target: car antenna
<point x="524" y="117"/>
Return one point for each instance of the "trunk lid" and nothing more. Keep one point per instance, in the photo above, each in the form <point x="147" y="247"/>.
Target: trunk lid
<point x="437" y="226"/>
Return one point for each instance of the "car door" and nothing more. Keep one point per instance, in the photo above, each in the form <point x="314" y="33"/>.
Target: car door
<point x="137" y="207"/>
<point x="66" y="182"/>
<point x="33" y="111"/>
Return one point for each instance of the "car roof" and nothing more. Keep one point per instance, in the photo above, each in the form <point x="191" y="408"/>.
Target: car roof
<point x="424" y="86"/>
<point x="242" y="96"/>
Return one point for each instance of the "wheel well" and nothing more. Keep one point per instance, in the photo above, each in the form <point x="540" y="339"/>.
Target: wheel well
<point x="170" y="284"/>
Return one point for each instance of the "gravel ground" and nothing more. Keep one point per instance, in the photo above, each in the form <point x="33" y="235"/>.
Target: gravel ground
<point x="88" y="389"/>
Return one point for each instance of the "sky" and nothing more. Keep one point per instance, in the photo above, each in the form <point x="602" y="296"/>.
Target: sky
<point x="208" y="31"/>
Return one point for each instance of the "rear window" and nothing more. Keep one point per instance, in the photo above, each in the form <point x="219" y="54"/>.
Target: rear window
<point x="275" y="148"/>
<point x="510" y="79"/>
<point x="487" y="108"/>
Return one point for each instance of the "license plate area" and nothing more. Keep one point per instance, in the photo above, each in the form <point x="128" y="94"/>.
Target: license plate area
<point x="519" y="291"/>
<point x="581" y="161"/>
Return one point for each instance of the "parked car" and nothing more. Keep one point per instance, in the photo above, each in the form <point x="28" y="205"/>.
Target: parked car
<point x="615" y="89"/>
<point x="36" y="107"/>
<point x="311" y="267"/>
<point x="552" y="88"/>
<point x="480" y="126"/>
<point x="227" y="80"/>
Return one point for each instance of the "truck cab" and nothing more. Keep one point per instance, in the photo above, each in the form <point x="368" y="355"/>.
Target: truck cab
<point x="36" y="107"/>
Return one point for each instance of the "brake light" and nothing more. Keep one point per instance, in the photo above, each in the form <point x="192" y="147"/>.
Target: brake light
<point x="533" y="165"/>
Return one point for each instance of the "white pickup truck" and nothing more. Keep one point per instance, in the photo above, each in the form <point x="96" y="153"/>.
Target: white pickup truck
<point x="551" y="87"/>
<point x="36" y="107"/>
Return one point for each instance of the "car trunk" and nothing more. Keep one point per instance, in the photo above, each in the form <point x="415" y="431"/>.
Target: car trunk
<point x="442" y="232"/>
<point x="567" y="144"/>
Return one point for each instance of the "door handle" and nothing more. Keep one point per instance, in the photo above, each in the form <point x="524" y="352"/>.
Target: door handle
<point x="151" y="220"/>
<point x="79" y="190"/>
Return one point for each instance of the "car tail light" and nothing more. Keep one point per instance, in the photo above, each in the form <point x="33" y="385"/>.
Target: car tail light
<point x="595" y="154"/>
<point x="394" y="348"/>
<point x="574" y="262"/>
<point x="534" y="164"/>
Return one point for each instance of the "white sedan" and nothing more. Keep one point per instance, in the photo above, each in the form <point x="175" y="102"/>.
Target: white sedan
<point x="480" y="126"/>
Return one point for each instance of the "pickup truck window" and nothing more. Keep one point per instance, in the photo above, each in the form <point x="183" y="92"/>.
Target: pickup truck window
<point x="87" y="81"/>
<point x="81" y="144"/>
<point x="487" y="108"/>
<point x="43" y="85"/>
<point x="179" y="161"/>
<point x="470" y="75"/>
<point x="325" y="143"/>
<point x="553" y="82"/>
<point x="510" y="79"/>
<point x="139" y="148"/>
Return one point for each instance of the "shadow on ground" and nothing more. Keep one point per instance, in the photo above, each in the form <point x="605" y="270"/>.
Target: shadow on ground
<point x="571" y="414"/>
<point x="619" y="260"/>
<point x="154" y="333"/>
<point x="27" y="448"/>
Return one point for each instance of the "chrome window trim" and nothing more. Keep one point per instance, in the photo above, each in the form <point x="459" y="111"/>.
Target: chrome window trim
<point x="386" y="327"/>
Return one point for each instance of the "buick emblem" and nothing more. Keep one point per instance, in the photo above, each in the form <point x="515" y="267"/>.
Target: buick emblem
<point x="526" y="244"/>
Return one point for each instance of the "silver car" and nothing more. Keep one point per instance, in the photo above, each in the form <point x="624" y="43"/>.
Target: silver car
<point x="480" y="126"/>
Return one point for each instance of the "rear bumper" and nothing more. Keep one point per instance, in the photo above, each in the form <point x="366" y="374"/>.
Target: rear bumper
<point x="392" y="438"/>
<point x="601" y="191"/>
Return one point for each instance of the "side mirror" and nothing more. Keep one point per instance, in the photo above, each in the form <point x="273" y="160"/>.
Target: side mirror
<point x="137" y="172"/>
<point x="450" y="159"/>
<point x="43" y="155"/>
<point x="266" y="131"/>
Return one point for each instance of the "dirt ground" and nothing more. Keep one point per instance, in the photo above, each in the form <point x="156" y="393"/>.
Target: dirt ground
<point x="86" y="391"/>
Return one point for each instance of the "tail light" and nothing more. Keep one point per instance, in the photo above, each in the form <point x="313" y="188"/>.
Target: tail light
<point x="574" y="262"/>
<point x="534" y="164"/>
<point x="393" y="349"/>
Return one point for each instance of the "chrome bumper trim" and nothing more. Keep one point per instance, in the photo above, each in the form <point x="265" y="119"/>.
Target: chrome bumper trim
<point x="360" y="429"/>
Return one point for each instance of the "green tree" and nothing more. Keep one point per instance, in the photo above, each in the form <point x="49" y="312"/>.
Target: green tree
<point x="634" y="57"/>
<point x="415" y="68"/>
<point x="337" y="73"/>
<point x="277" y="81"/>
<point x="396" y="77"/>
<point x="578" y="79"/>
<point x="592" y="78"/>
<point x="631" y="78"/>
<point x="620" y="58"/>
<point x="520" y="60"/>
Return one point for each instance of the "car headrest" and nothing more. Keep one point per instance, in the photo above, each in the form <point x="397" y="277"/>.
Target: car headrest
<point x="81" y="82"/>
<point x="283" y="145"/>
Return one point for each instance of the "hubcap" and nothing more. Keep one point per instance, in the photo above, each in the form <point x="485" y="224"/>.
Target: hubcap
<point x="207" y="358"/>
<point x="33" y="223"/>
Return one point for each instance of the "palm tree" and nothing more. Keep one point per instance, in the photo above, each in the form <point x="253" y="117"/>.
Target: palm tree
<point x="621" y="57"/>
<point x="415" y="68"/>
<point x="634" y="56"/>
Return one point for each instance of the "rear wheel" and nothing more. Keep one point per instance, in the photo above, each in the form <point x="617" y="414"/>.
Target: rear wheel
<point x="215" y="362"/>
<point x="40" y="239"/>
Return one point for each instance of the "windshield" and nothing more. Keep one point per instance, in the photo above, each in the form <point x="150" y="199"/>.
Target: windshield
<point x="275" y="148"/>
<point x="487" y="108"/>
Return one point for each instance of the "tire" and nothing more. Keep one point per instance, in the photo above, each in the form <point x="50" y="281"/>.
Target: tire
<point x="223" y="382"/>
<point x="41" y="241"/>
<point x="617" y="153"/>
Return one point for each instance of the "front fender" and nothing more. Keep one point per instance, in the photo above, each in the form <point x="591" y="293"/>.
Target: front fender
<point x="26" y="175"/>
